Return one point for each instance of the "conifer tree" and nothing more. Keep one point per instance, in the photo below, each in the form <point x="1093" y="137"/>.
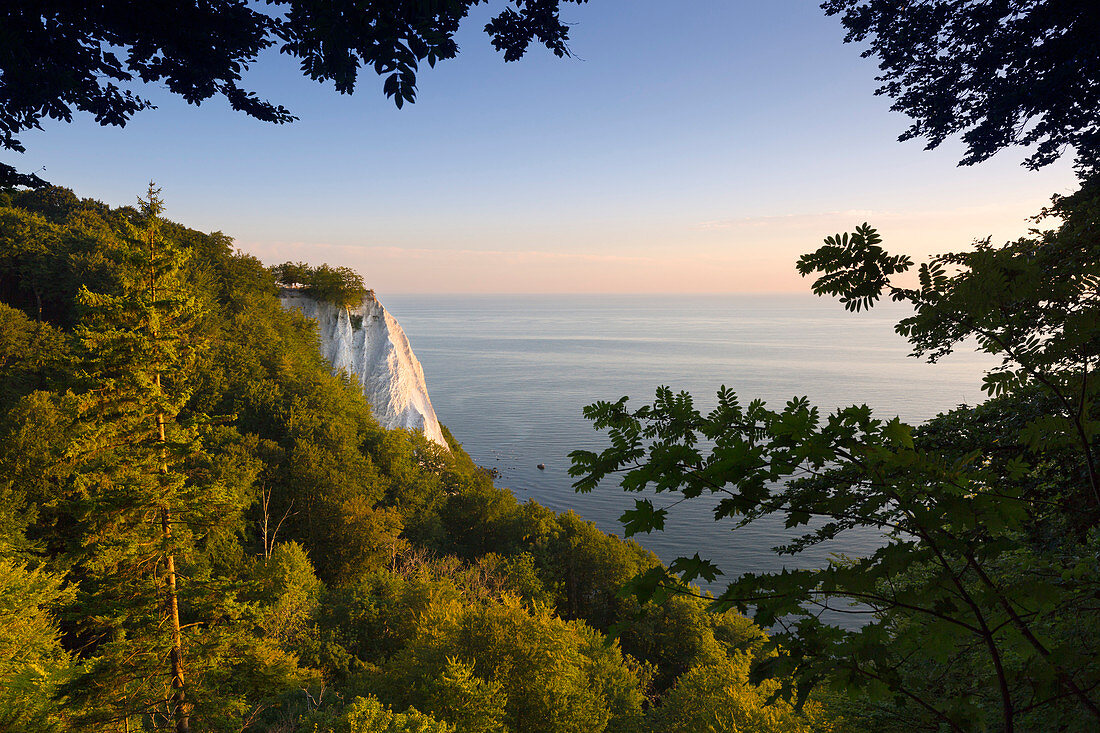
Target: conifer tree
<point x="135" y="505"/>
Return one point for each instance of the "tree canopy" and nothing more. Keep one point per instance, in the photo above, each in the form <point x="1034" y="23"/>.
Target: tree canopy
<point x="340" y="285"/>
<point x="979" y="604"/>
<point x="201" y="527"/>
<point x="979" y="601"/>
<point x="58" y="58"/>
<point x="1001" y="74"/>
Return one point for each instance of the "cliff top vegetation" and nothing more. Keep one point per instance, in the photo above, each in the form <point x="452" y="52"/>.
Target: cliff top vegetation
<point x="341" y="286"/>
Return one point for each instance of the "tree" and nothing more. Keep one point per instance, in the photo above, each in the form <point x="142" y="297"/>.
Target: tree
<point x="368" y="715"/>
<point x="32" y="661"/>
<point x="987" y="562"/>
<point x="32" y="355"/>
<point x="29" y="244"/>
<point x="57" y="58"/>
<point x="1016" y="72"/>
<point x="134" y="504"/>
<point x="291" y="274"/>
<point x="341" y="286"/>
<point x="473" y="704"/>
<point x="718" y="697"/>
<point x="291" y="593"/>
<point x="547" y="674"/>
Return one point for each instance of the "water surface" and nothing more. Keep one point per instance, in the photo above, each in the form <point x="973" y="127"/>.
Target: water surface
<point x="509" y="376"/>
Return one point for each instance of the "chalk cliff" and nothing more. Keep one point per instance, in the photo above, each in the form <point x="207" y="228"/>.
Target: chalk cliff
<point x="369" y="344"/>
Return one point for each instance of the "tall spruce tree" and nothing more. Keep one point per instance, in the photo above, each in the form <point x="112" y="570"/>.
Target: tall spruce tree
<point x="135" y="505"/>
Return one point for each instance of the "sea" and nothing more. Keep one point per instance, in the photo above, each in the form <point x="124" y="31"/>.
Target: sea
<point x="510" y="375"/>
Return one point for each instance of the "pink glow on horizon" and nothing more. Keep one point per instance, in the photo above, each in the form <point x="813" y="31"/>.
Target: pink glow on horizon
<point x="747" y="254"/>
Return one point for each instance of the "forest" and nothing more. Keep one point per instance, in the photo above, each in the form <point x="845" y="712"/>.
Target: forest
<point x="201" y="528"/>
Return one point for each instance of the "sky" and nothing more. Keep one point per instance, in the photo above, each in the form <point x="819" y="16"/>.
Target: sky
<point x="685" y="147"/>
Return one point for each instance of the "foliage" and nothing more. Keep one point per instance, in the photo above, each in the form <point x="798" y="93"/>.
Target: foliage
<point x="1001" y="74"/>
<point x="57" y="58"/>
<point x="546" y="674"/>
<point x="331" y="575"/>
<point x="473" y="704"/>
<point x="368" y="715"/>
<point x="719" y="697"/>
<point x="682" y="635"/>
<point x="342" y="286"/>
<point x="290" y="592"/>
<point x="138" y="343"/>
<point x="32" y="660"/>
<point x="28" y="245"/>
<point x="987" y="563"/>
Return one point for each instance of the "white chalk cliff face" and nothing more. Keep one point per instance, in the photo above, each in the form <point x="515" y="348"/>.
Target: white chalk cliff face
<point x="378" y="355"/>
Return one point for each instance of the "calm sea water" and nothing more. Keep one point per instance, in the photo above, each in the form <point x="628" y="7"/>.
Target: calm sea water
<point x="509" y="376"/>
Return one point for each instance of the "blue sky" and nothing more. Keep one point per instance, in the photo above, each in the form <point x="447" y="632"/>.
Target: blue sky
<point x="687" y="147"/>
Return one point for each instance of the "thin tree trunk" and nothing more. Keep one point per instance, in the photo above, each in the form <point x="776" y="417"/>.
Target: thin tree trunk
<point x="264" y="498"/>
<point x="178" y="701"/>
<point x="179" y="698"/>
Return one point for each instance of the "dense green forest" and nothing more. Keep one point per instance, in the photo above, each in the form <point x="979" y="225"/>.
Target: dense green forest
<point x="202" y="529"/>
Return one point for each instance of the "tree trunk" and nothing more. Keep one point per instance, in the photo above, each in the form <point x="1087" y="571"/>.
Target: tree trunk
<point x="178" y="701"/>
<point x="178" y="704"/>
